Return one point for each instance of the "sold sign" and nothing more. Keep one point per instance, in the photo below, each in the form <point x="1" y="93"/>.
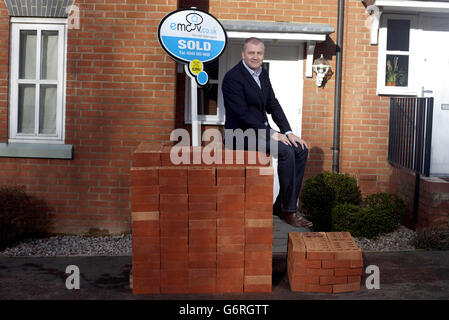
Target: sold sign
<point x="192" y="37"/>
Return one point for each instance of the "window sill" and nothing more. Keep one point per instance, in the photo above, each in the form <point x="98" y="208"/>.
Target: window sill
<point x="36" y="150"/>
<point x="207" y="122"/>
<point x="396" y="91"/>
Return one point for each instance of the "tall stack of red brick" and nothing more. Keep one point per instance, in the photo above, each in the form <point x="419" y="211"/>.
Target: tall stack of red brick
<point x="328" y="262"/>
<point x="200" y="228"/>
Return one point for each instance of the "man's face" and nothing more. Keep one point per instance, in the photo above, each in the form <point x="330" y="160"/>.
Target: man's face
<point x="253" y="55"/>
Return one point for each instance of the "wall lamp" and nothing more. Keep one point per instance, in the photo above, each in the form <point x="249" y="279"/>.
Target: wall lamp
<point x="322" y="69"/>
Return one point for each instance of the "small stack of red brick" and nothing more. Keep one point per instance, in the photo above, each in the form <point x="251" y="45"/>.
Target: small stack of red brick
<point x="200" y="228"/>
<point x="328" y="262"/>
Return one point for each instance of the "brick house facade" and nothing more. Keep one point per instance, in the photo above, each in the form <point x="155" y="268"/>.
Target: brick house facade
<point x="122" y="89"/>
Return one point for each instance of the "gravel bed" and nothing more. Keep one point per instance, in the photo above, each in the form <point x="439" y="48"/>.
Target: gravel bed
<point x="399" y="240"/>
<point x="72" y="246"/>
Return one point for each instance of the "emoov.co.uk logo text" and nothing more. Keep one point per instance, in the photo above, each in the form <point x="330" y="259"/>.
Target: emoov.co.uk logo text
<point x="194" y="23"/>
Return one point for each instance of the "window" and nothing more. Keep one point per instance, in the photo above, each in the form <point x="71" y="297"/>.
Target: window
<point x="37" y="80"/>
<point x="210" y="105"/>
<point x="396" y="55"/>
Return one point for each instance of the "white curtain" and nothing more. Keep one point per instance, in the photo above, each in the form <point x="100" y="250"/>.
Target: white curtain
<point x="47" y="92"/>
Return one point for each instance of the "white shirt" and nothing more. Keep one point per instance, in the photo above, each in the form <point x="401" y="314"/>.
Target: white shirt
<point x="255" y="75"/>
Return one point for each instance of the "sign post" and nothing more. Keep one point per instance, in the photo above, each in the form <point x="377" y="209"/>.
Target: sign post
<point x="192" y="37"/>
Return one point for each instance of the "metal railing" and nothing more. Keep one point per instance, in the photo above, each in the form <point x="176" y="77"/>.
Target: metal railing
<point x="410" y="134"/>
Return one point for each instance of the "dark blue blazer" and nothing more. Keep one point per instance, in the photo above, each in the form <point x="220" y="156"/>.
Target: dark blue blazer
<point x="247" y="105"/>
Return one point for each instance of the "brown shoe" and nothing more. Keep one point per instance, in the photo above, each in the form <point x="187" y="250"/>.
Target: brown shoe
<point x="295" y="219"/>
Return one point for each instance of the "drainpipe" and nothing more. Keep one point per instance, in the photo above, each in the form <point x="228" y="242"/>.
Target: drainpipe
<point x="337" y="95"/>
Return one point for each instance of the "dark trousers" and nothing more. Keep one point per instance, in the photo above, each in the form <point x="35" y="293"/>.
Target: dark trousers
<point x="291" y="166"/>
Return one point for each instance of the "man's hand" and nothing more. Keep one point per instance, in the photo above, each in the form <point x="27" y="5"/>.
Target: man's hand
<point x="295" y="140"/>
<point x="282" y="138"/>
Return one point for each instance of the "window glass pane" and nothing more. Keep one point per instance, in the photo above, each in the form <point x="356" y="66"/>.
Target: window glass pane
<point x="398" y="35"/>
<point x="396" y="73"/>
<point x="211" y="69"/>
<point x="207" y="99"/>
<point x="27" y="61"/>
<point x="47" y="109"/>
<point x="26" y="108"/>
<point x="49" y="55"/>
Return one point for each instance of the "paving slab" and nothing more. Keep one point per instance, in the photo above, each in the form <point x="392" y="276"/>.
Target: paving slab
<point x="402" y="275"/>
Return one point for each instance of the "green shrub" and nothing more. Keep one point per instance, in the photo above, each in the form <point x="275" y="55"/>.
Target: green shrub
<point x="321" y="193"/>
<point x="318" y="199"/>
<point x="381" y="213"/>
<point x="21" y="215"/>
<point x="344" y="186"/>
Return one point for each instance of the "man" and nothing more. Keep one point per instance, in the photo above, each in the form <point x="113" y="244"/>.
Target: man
<point x="248" y="97"/>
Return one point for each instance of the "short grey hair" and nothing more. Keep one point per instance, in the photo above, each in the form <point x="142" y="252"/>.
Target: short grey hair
<point x="252" y="40"/>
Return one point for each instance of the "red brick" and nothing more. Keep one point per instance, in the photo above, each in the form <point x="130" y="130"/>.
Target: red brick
<point x="181" y="215"/>
<point x="202" y="280"/>
<point x="318" y="246"/>
<point x="230" y="172"/>
<point x="257" y="284"/>
<point x="325" y="280"/>
<point x="144" y="255"/>
<point x="201" y="176"/>
<point x="318" y="288"/>
<point x="354" y="279"/>
<point x="169" y="199"/>
<point x="231" y="198"/>
<point x="229" y="280"/>
<point x="181" y="156"/>
<point x="200" y="214"/>
<point x="227" y="259"/>
<point x="152" y="242"/>
<point x="144" y="176"/>
<point x="225" y="214"/>
<point x="319" y="272"/>
<point x="230" y="181"/>
<point x="138" y="217"/>
<point x="148" y="155"/>
<point x="259" y="235"/>
<point x="172" y="176"/>
<point x="202" y="259"/>
<point x="297" y="286"/>
<point x="328" y="264"/>
<point x="145" y="228"/>
<point x="146" y="285"/>
<point x="258" y="269"/>
<point x="171" y="277"/>
<point x="346" y="287"/>
<point x="348" y="271"/>
<point x="175" y="289"/>
<point x="265" y="213"/>
<point x="231" y="206"/>
<point x="231" y="189"/>
<point x="173" y="189"/>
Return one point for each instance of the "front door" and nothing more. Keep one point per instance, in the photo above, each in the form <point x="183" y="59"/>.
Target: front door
<point x="434" y="57"/>
<point x="284" y="62"/>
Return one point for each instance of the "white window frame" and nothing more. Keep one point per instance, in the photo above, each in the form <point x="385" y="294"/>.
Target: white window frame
<point x="382" y="89"/>
<point x="219" y="118"/>
<point x="39" y="25"/>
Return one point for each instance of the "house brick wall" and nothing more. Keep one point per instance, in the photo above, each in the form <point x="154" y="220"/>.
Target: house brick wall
<point x="364" y="115"/>
<point x="4" y="68"/>
<point x="433" y="202"/>
<point x="121" y="90"/>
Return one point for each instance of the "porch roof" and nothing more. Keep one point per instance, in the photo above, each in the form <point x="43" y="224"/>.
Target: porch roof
<point x="404" y="6"/>
<point x="277" y="30"/>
